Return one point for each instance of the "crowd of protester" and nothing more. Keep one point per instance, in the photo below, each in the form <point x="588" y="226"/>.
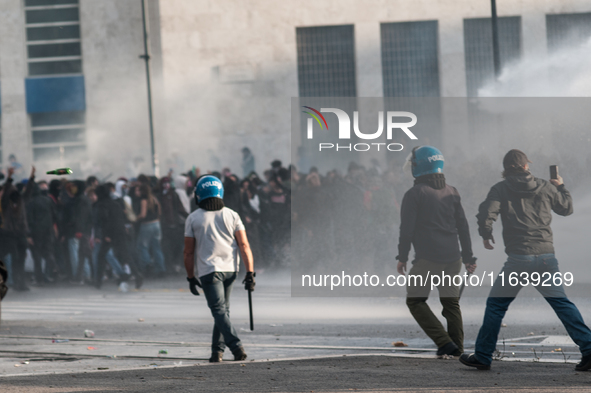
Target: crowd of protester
<point x="82" y="232"/>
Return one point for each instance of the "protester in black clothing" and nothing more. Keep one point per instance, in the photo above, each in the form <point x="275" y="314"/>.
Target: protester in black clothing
<point x="172" y="222"/>
<point x="60" y="248"/>
<point x="432" y="220"/>
<point x="110" y="233"/>
<point x="279" y="216"/>
<point x="78" y="227"/>
<point x="42" y="220"/>
<point x="250" y="214"/>
<point x="232" y="192"/>
<point x="15" y="238"/>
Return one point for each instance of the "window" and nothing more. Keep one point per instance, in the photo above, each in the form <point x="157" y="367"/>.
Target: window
<point x="58" y="135"/>
<point x="53" y="37"/>
<point x="54" y="53"/>
<point x="326" y="61"/>
<point x="478" y="49"/>
<point x="564" y="30"/>
<point x="410" y="65"/>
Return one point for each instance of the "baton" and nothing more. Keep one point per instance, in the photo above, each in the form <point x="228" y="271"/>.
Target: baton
<point x="250" y="309"/>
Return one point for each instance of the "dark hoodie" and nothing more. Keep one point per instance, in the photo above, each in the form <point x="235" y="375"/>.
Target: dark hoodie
<point x="432" y="219"/>
<point x="109" y="219"/>
<point x="14" y="217"/>
<point x="78" y="213"/>
<point x="525" y="204"/>
<point x="41" y="214"/>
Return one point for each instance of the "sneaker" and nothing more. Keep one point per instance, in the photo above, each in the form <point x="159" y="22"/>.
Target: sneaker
<point x="471" y="361"/>
<point x="216" y="357"/>
<point x="239" y="354"/>
<point x="124" y="287"/>
<point x="449" y="349"/>
<point x="585" y="364"/>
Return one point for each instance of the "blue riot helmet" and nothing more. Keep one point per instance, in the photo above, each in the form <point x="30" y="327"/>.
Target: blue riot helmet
<point x="208" y="187"/>
<point x="426" y="160"/>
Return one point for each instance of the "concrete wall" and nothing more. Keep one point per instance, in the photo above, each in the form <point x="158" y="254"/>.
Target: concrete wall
<point x="13" y="69"/>
<point x="224" y="71"/>
<point x="116" y="92"/>
<point x="230" y="66"/>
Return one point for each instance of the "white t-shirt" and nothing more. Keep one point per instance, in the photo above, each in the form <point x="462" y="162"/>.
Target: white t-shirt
<point x="216" y="248"/>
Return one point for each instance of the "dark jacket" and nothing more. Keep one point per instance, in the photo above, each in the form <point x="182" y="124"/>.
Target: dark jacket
<point x="78" y="214"/>
<point x="525" y="204"/>
<point x="173" y="212"/>
<point x="14" y="217"/>
<point x="109" y="219"/>
<point x="41" y="214"/>
<point x="432" y="220"/>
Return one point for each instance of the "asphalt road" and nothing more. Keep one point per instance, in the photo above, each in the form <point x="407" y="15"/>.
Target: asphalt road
<point x="339" y="374"/>
<point x="299" y="344"/>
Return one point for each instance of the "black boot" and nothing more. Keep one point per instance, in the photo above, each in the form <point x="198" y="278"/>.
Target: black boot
<point x="216" y="357"/>
<point x="471" y="361"/>
<point x="239" y="353"/>
<point x="584" y="364"/>
<point x="449" y="349"/>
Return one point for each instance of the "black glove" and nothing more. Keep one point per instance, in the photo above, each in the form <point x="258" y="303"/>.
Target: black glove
<point x="249" y="281"/>
<point x="193" y="284"/>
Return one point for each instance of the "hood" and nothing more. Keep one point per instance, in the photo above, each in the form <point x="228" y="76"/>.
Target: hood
<point x="523" y="184"/>
<point x="180" y="183"/>
<point x="81" y="187"/>
<point x="36" y="190"/>
<point x="119" y="188"/>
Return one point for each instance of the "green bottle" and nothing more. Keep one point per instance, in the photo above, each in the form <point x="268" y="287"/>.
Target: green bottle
<point x="60" y="171"/>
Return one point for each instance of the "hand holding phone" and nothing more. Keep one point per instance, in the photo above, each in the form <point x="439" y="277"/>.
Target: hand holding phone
<point x="554" y="176"/>
<point x="553" y="171"/>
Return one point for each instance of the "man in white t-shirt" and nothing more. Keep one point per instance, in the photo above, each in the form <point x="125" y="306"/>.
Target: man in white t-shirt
<point x="215" y="236"/>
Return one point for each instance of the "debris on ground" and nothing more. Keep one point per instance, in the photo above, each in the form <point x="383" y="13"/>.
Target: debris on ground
<point x="88" y="333"/>
<point x="399" y="344"/>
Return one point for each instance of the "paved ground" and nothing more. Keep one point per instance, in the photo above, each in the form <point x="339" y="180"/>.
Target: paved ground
<point x="353" y="336"/>
<point x="339" y="374"/>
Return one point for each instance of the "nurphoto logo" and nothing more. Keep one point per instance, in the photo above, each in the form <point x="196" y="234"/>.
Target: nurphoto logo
<point x="344" y="132"/>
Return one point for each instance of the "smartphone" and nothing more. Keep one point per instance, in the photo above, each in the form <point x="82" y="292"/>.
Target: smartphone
<point x="553" y="171"/>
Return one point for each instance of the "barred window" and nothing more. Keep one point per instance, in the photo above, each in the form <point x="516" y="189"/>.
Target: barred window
<point x="478" y="49"/>
<point x="564" y="30"/>
<point x="54" y="52"/>
<point x="326" y="61"/>
<point x="53" y="37"/>
<point x="410" y="65"/>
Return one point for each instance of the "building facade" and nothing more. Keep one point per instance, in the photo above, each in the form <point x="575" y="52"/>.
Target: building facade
<point x="73" y="88"/>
